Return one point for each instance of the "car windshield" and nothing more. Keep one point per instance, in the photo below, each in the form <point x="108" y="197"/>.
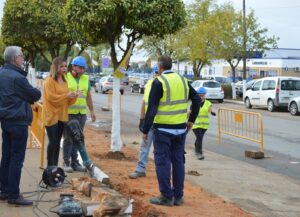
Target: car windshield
<point x="211" y="84"/>
<point x="222" y="79"/>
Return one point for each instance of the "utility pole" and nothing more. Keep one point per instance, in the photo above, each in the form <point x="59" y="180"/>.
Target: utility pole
<point x="244" y="41"/>
<point x="245" y="48"/>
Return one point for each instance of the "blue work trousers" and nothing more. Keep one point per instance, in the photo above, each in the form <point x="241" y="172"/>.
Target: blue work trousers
<point x="144" y="153"/>
<point x="14" y="140"/>
<point x="169" y="154"/>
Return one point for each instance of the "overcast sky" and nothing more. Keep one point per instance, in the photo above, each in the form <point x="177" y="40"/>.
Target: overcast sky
<point x="280" y="17"/>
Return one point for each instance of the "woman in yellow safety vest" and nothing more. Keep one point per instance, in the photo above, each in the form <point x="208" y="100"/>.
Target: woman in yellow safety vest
<point x="202" y="122"/>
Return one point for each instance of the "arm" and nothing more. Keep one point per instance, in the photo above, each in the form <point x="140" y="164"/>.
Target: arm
<point x="155" y="94"/>
<point x="25" y="91"/>
<point x="89" y="101"/>
<point x="142" y="116"/>
<point x="195" y="107"/>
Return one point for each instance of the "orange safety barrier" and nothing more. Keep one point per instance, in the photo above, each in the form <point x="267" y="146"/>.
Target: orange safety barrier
<point x="37" y="131"/>
<point x="241" y="124"/>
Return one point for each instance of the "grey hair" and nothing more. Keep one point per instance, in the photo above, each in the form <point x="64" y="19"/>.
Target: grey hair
<point x="11" y="52"/>
<point x="165" y="62"/>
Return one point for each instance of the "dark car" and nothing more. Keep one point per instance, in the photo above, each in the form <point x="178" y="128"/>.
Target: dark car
<point x="139" y="86"/>
<point x="239" y="87"/>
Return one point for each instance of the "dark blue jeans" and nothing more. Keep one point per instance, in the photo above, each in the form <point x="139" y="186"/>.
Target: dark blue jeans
<point x="54" y="133"/>
<point x="169" y="153"/>
<point x="14" y="140"/>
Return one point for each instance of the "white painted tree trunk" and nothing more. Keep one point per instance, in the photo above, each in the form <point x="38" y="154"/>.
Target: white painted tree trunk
<point x="116" y="142"/>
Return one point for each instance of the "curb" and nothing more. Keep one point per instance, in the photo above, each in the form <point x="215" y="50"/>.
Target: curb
<point x="234" y="101"/>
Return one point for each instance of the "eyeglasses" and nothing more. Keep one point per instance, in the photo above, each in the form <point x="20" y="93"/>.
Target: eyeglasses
<point x="21" y="55"/>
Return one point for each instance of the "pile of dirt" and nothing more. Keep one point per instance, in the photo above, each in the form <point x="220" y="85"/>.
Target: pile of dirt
<point x="117" y="155"/>
<point x="118" y="165"/>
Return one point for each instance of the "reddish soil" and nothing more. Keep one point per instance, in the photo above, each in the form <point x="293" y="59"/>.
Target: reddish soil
<point x="118" y="165"/>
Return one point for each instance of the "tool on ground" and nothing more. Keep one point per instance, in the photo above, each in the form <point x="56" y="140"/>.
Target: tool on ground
<point x="53" y="176"/>
<point x="68" y="207"/>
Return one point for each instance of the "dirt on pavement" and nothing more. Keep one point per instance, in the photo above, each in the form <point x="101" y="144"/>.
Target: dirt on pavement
<point x="118" y="165"/>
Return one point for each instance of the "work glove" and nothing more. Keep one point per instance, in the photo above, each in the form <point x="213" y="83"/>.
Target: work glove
<point x="213" y="113"/>
<point x="141" y="124"/>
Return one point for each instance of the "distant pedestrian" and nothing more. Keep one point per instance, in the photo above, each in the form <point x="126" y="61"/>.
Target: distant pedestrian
<point x="202" y="122"/>
<point x="56" y="101"/>
<point x="78" y="82"/>
<point x="167" y="112"/>
<point x="16" y="95"/>
<point x="140" y="170"/>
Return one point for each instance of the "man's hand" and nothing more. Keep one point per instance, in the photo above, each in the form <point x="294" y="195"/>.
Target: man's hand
<point x="93" y="116"/>
<point x="141" y="124"/>
<point x="145" y="137"/>
<point x="189" y="126"/>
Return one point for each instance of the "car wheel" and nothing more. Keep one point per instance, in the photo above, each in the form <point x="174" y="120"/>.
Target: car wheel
<point x="96" y="90"/>
<point x="131" y="90"/>
<point x="248" y="103"/>
<point x="141" y="90"/>
<point x="271" y="105"/>
<point x="122" y="92"/>
<point x="294" y="109"/>
<point x="220" y="100"/>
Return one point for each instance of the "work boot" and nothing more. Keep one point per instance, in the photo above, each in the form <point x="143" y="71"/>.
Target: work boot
<point x="68" y="168"/>
<point x="136" y="175"/>
<point x="20" y="201"/>
<point x="178" y="202"/>
<point x="76" y="166"/>
<point x="162" y="200"/>
<point x="200" y="156"/>
<point x="3" y="196"/>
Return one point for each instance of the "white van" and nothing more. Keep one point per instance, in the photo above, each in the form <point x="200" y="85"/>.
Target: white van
<point x="272" y="92"/>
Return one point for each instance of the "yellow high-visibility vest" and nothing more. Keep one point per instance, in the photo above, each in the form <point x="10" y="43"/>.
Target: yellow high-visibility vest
<point x="147" y="93"/>
<point x="79" y="107"/>
<point x="202" y="120"/>
<point x="173" y="105"/>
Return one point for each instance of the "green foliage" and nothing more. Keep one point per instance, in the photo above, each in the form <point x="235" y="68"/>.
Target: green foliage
<point x="105" y="21"/>
<point x="38" y="26"/>
<point x="227" y="91"/>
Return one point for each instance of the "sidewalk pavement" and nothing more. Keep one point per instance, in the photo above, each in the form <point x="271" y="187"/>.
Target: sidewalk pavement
<point x="253" y="189"/>
<point x="234" y="101"/>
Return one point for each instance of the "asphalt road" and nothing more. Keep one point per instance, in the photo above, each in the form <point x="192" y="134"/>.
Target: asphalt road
<point x="282" y="139"/>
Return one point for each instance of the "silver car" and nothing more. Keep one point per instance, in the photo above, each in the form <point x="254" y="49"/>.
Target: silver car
<point x="294" y="106"/>
<point x="214" y="91"/>
<point x="106" y="83"/>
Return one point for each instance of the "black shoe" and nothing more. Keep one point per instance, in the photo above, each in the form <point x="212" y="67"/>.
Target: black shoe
<point x="137" y="174"/>
<point x="161" y="200"/>
<point x="3" y="196"/>
<point x="20" y="201"/>
<point x="178" y="202"/>
<point x="76" y="166"/>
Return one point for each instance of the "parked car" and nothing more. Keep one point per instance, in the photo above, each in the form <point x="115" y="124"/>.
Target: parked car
<point x="219" y="78"/>
<point x="294" y="106"/>
<point x="139" y="85"/>
<point x="214" y="90"/>
<point x="106" y="83"/>
<point x="239" y="87"/>
<point x="272" y="92"/>
<point x="126" y="79"/>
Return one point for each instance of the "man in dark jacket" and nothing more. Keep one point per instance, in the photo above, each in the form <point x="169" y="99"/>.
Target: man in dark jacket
<point x="16" y="95"/>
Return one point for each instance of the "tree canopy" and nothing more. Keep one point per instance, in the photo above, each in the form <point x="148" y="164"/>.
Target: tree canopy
<point x="106" y="21"/>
